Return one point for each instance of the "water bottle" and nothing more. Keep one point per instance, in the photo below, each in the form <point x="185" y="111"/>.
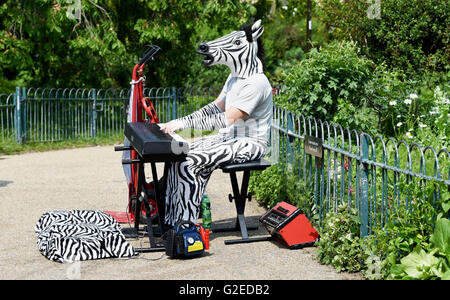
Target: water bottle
<point x="206" y="212"/>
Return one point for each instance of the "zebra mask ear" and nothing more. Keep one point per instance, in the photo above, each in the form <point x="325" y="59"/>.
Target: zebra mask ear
<point x="257" y="30"/>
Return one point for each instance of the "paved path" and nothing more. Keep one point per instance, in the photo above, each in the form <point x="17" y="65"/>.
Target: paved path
<point x="92" y="178"/>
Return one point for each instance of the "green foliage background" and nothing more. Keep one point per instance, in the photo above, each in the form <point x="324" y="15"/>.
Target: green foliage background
<point x="44" y="43"/>
<point x="411" y="35"/>
<point x="40" y="45"/>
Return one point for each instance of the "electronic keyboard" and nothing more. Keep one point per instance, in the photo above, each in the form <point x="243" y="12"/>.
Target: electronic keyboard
<point x="154" y="145"/>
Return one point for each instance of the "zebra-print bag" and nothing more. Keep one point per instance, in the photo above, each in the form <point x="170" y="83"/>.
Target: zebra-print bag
<point x="74" y="235"/>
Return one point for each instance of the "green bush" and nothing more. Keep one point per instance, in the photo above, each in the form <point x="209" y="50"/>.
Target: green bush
<point x="313" y="86"/>
<point x="276" y="184"/>
<point x="405" y="247"/>
<point x="434" y="263"/>
<point x="42" y="45"/>
<point x="410" y="35"/>
<point x="340" y="244"/>
<point x="337" y="83"/>
<point x="353" y="117"/>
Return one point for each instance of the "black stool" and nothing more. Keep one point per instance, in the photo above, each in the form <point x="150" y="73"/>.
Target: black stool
<point x="241" y="196"/>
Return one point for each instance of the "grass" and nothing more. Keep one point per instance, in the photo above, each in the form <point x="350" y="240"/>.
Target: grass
<point x="12" y="148"/>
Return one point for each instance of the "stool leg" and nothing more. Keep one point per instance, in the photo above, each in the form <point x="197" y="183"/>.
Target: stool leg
<point x="240" y="205"/>
<point x="244" y="187"/>
<point x="243" y="200"/>
<point x="239" y="200"/>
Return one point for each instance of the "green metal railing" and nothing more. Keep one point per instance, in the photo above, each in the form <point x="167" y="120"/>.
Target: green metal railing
<point x="7" y="117"/>
<point x="355" y="169"/>
<point x="48" y="114"/>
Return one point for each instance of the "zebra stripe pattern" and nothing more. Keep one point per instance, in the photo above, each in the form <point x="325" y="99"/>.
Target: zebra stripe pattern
<point x="75" y="235"/>
<point x="238" y="50"/>
<point x="210" y="117"/>
<point x="187" y="179"/>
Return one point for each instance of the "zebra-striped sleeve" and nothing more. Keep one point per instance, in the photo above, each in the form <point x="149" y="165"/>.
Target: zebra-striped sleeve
<point x="209" y="109"/>
<point x="208" y="122"/>
<point x="209" y="117"/>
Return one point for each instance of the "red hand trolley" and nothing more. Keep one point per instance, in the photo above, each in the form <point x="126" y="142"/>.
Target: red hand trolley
<point x="136" y="106"/>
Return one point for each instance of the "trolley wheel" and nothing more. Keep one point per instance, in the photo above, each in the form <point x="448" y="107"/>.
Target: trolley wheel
<point x="143" y="217"/>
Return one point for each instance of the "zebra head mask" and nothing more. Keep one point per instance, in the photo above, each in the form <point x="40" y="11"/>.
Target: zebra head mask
<point x="238" y="50"/>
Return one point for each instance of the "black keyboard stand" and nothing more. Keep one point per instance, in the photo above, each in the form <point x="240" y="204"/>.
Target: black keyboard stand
<point x="151" y="145"/>
<point x="160" y="201"/>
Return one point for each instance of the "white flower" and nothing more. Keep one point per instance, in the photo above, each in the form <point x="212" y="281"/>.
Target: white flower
<point x="284" y="7"/>
<point x="434" y="110"/>
<point x="422" y="125"/>
<point x="408" y="101"/>
<point x="399" y="124"/>
<point x="445" y="101"/>
<point x="393" y="102"/>
<point x="413" y="96"/>
<point x="409" y="135"/>
<point x="399" y="116"/>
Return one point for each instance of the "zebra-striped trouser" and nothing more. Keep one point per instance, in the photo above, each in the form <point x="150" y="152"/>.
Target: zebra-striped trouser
<point x="187" y="179"/>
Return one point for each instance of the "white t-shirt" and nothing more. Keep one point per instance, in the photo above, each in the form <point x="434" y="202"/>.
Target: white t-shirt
<point x="252" y="95"/>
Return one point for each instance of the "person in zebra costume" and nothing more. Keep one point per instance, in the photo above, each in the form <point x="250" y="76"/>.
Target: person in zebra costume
<point x="242" y="113"/>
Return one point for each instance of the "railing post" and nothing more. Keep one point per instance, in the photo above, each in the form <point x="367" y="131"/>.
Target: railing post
<point x="174" y="103"/>
<point x="94" y="114"/>
<point x="275" y="137"/>
<point x="317" y="182"/>
<point x="17" y="116"/>
<point x="24" y="114"/>
<point x="364" y="183"/>
<point x="289" y="139"/>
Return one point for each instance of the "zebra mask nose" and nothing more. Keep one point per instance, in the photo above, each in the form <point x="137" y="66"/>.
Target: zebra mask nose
<point x="203" y="49"/>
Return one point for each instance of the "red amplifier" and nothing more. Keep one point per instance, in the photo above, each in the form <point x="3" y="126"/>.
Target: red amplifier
<point x="287" y="224"/>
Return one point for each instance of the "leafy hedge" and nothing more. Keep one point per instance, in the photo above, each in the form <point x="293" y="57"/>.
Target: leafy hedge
<point x="340" y="244"/>
<point x="411" y="35"/>
<point x="313" y="86"/>
<point x="279" y="183"/>
<point x="337" y="83"/>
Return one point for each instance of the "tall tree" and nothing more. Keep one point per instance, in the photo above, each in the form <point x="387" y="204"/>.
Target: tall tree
<point x="95" y="43"/>
<point x="411" y="35"/>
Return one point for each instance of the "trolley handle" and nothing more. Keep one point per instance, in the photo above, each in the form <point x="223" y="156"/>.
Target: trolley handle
<point x="150" y="53"/>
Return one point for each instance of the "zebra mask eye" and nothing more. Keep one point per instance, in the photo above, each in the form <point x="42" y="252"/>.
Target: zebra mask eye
<point x="203" y="49"/>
